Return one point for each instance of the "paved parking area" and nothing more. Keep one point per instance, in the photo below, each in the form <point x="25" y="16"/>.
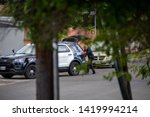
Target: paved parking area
<point x="82" y="87"/>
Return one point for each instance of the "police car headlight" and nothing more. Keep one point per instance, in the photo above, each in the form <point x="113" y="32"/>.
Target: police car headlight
<point x="18" y="60"/>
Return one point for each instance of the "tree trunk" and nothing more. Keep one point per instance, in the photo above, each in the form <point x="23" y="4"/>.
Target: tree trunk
<point x="124" y="83"/>
<point x="45" y="74"/>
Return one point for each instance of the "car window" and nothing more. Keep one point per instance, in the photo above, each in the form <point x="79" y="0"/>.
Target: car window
<point x="79" y="48"/>
<point x="28" y="49"/>
<point x="74" y="48"/>
<point x="63" y="48"/>
<point x="97" y="46"/>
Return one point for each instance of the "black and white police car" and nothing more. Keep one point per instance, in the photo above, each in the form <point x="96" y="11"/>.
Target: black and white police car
<point x="23" y="62"/>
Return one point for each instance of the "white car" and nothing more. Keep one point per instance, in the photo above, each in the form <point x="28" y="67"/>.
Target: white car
<point x="23" y="62"/>
<point x="100" y="57"/>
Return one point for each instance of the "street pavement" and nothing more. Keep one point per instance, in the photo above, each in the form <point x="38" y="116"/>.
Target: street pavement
<point x="82" y="87"/>
<point x="17" y="88"/>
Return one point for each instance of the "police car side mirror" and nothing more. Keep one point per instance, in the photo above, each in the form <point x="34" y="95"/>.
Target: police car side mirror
<point x="13" y="50"/>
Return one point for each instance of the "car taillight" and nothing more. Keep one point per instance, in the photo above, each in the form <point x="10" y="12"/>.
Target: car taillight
<point x="84" y="54"/>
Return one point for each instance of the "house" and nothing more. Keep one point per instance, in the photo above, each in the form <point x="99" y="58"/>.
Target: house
<point x="11" y="37"/>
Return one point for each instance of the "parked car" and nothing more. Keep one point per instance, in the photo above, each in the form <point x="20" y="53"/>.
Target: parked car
<point x="23" y="62"/>
<point x="100" y="56"/>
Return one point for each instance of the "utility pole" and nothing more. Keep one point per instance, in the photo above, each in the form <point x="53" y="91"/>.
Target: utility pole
<point x="93" y="13"/>
<point x="55" y="70"/>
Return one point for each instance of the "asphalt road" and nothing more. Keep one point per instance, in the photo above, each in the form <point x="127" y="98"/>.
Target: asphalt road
<point x="82" y="87"/>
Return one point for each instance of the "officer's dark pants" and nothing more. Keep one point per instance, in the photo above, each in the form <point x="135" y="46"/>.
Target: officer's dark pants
<point x="90" y="65"/>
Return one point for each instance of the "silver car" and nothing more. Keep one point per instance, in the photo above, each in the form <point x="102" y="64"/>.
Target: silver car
<point x="100" y="56"/>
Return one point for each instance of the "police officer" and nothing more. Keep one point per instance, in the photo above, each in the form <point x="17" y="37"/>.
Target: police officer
<point x="90" y="55"/>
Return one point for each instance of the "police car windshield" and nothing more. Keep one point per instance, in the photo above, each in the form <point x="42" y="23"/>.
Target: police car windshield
<point x="27" y="49"/>
<point x="97" y="46"/>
